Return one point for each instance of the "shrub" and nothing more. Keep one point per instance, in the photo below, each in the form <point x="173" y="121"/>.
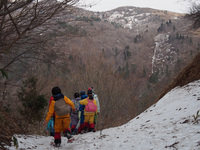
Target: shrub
<point x="32" y="102"/>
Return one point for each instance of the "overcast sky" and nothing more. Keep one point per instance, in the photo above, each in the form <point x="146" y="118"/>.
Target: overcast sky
<point x="180" y="6"/>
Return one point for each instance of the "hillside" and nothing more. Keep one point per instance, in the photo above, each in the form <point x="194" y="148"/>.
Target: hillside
<point x="147" y="45"/>
<point x="148" y="48"/>
<point x="188" y="74"/>
<point x="168" y="124"/>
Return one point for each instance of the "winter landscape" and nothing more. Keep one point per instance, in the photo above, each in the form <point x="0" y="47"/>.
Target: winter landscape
<point x="143" y="62"/>
<point x="168" y="124"/>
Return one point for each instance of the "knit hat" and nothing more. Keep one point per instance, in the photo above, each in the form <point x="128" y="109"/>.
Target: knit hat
<point x="91" y="88"/>
<point x="56" y="90"/>
<point x="89" y="92"/>
<point x="76" y="95"/>
<point x="82" y="93"/>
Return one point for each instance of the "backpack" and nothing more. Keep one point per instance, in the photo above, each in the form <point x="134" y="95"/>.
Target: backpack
<point x="61" y="108"/>
<point x="76" y="104"/>
<point x="90" y="107"/>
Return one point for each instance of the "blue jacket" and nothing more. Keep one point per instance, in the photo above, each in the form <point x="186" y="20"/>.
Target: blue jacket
<point x="81" y="108"/>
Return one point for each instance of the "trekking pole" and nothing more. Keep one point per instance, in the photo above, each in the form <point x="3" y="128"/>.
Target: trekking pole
<point x="77" y="126"/>
<point x="101" y="126"/>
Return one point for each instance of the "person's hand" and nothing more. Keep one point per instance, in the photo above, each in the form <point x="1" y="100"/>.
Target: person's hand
<point x="45" y="123"/>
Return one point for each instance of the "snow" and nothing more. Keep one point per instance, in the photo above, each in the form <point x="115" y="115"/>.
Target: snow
<point x="168" y="124"/>
<point x="161" y="44"/>
<point x="115" y="15"/>
<point x="128" y="19"/>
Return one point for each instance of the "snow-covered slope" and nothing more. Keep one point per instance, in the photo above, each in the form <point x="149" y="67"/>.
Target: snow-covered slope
<point x="163" y="52"/>
<point x="166" y="125"/>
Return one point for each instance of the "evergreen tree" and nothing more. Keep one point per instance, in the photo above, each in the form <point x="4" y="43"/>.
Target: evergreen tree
<point x="32" y="102"/>
<point x="174" y="28"/>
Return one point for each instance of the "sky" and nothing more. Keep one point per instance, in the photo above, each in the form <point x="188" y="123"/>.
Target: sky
<point x="168" y="124"/>
<point x="180" y="6"/>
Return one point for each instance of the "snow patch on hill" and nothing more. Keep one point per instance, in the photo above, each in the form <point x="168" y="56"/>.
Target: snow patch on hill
<point x="163" y="52"/>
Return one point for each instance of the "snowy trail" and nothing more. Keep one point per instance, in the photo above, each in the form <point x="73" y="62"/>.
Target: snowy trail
<point x="168" y="124"/>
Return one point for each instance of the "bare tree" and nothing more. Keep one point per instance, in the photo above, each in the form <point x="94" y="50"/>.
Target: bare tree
<point x="194" y="15"/>
<point x="23" y="22"/>
<point x="23" y="41"/>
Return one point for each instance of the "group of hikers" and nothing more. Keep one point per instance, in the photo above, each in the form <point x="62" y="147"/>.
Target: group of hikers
<point x="80" y="117"/>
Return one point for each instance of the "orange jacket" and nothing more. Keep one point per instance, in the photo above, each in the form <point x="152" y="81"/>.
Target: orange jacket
<point x="51" y="109"/>
<point x="51" y="99"/>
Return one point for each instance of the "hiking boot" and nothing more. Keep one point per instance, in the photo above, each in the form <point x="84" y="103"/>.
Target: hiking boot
<point x="70" y="140"/>
<point x="92" y="130"/>
<point x="68" y="135"/>
<point x="85" y="131"/>
<point x="72" y="130"/>
<point x="57" y="144"/>
<point x="82" y="131"/>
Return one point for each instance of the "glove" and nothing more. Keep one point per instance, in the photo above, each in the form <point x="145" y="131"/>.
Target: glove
<point x="79" y="115"/>
<point x="95" y="118"/>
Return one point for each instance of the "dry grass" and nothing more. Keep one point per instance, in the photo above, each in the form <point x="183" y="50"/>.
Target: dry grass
<point x="188" y="74"/>
<point x="8" y="127"/>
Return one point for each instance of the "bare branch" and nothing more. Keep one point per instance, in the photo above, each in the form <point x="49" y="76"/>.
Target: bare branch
<point x="12" y="20"/>
<point x="194" y="16"/>
<point x="16" y="5"/>
<point x="28" y="19"/>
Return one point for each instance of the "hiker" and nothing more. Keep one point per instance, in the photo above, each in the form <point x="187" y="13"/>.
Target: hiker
<point x="51" y="123"/>
<point x="98" y="107"/>
<point x="89" y="111"/>
<point x="81" y="113"/>
<point x="74" y="114"/>
<point x="62" y="118"/>
<point x="50" y="127"/>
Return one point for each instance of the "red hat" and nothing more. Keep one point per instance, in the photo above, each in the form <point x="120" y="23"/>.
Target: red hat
<point x="89" y="88"/>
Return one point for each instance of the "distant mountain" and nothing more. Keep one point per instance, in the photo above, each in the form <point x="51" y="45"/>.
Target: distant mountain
<point x="143" y="42"/>
<point x="158" y="42"/>
<point x="147" y="47"/>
